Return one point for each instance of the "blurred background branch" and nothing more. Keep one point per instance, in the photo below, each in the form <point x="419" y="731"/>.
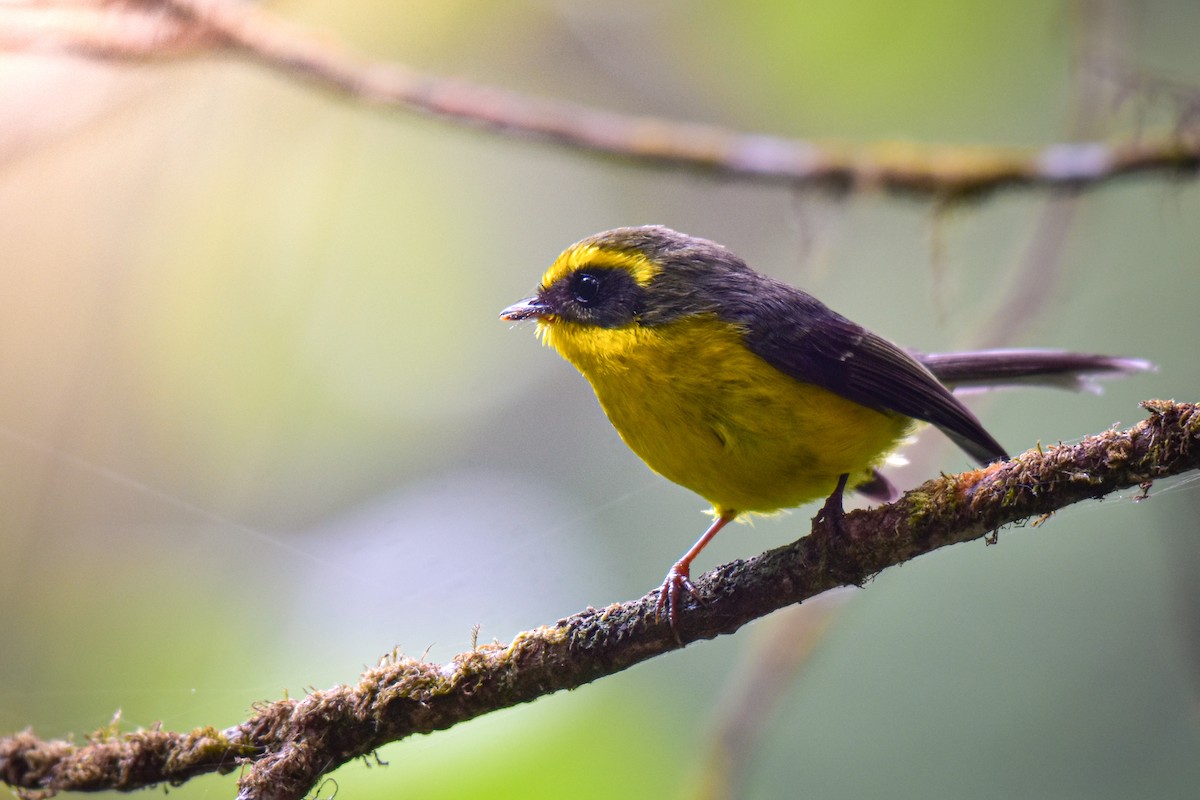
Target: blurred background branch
<point x="145" y="29"/>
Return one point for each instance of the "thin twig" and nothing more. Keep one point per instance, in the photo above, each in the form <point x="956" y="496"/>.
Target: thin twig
<point x="945" y="171"/>
<point x="288" y="745"/>
<point x="249" y="31"/>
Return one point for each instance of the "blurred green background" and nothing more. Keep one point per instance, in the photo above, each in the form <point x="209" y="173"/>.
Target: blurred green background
<point x="260" y="422"/>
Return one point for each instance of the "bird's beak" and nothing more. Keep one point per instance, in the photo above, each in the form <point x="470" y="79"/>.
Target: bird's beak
<point x="530" y="307"/>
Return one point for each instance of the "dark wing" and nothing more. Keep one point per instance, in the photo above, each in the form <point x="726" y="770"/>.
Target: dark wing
<point x="799" y="335"/>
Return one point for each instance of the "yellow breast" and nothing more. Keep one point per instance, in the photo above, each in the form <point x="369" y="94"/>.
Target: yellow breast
<point x="705" y="412"/>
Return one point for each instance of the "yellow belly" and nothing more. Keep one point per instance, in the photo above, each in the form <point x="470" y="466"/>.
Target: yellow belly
<point x="705" y="412"/>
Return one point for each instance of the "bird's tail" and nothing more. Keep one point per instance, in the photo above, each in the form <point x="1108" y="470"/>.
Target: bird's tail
<point x="989" y="369"/>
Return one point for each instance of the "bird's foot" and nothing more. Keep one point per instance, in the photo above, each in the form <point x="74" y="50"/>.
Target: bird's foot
<point x="832" y="513"/>
<point x="678" y="582"/>
<point x="671" y="596"/>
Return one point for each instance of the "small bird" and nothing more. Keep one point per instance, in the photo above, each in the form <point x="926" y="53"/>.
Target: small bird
<point x="750" y="392"/>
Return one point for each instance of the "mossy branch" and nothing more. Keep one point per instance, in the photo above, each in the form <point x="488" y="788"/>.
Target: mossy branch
<point x="288" y="745"/>
<point x="156" y="30"/>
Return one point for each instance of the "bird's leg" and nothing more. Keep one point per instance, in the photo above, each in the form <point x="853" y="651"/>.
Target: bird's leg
<point x="832" y="513"/>
<point x="678" y="578"/>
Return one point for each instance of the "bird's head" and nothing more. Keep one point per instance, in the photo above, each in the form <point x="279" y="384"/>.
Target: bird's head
<point x="612" y="291"/>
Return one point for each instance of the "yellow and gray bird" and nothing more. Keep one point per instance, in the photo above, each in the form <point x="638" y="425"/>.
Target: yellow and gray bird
<point x="750" y="392"/>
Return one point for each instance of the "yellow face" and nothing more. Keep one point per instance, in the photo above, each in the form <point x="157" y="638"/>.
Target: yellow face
<point x="586" y="345"/>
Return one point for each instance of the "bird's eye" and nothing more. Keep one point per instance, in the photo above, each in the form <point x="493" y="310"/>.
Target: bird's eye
<point x="585" y="287"/>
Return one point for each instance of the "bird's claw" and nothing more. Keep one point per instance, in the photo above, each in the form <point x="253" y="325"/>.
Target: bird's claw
<point x="832" y="512"/>
<point x="677" y="582"/>
<point x="831" y="516"/>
